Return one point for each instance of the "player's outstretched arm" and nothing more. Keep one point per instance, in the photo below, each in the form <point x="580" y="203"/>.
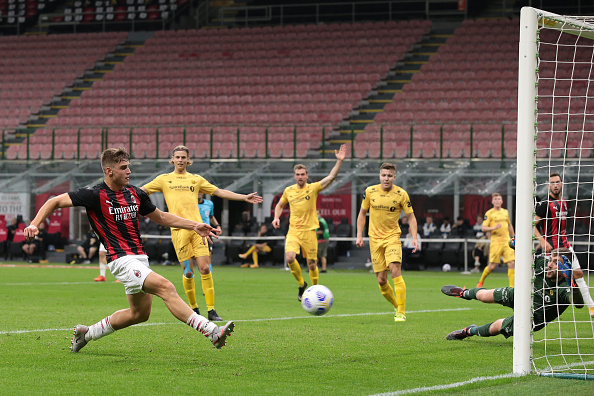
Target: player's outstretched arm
<point x="170" y="220"/>
<point x="230" y="195"/>
<point x="340" y="156"/>
<point x="61" y="201"/>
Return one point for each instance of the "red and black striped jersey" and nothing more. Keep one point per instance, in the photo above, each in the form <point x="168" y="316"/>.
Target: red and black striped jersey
<point x="553" y="213"/>
<point x="113" y="215"/>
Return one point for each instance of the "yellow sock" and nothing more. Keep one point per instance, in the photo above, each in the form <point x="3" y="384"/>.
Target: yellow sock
<point x="388" y="293"/>
<point x="255" y="257"/>
<point x="266" y="249"/>
<point x="208" y="289"/>
<point x="190" y="288"/>
<point x="511" y="274"/>
<point x="296" y="271"/>
<point x="486" y="273"/>
<point x="400" y="292"/>
<point x="250" y="250"/>
<point x="314" y="276"/>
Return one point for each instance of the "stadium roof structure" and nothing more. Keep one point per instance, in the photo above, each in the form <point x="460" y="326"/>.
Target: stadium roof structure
<point x="419" y="177"/>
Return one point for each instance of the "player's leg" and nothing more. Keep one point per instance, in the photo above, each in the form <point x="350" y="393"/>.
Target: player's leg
<point x="208" y="286"/>
<point x="509" y="257"/>
<point x="581" y="283"/>
<point x="249" y="251"/>
<point x="477" y="293"/>
<point x="494" y="258"/>
<point x="182" y="243"/>
<point x="309" y="244"/>
<point x="486" y="330"/>
<point x="292" y="249"/>
<point x="380" y="268"/>
<point x="102" y="266"/>
<point x="161" y="287"/>
<point x="393" y="254"/>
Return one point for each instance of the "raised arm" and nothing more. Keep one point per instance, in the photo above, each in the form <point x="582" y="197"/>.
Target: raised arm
<point x="61" y="201"/>
<point x="230" y="195"/>
<point x="340" y="156"/>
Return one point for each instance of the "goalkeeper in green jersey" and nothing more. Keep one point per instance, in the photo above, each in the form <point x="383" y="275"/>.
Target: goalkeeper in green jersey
<point x="552" y="296"/>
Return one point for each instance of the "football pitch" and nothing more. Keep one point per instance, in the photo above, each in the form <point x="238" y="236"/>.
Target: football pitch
<point x="277" y="348"/>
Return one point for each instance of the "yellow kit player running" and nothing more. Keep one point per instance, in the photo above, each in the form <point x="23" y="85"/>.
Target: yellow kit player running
<point x="303" y="221"/>
<point x="385" y="202"/>
<point x="498" y="224"/>
<point x="181" y="190"/>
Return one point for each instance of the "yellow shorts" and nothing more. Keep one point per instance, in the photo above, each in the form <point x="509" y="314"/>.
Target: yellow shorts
<point x="306" y="240"/>
<point x="188" y="244"/>
<point x="384" y="252"/>
<point x="499" y="250"/>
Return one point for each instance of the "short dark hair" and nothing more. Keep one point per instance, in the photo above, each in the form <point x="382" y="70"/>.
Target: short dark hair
<point x="553" y="174"/>
<point x="388" y="166"/>
<point x="113" y="156"/>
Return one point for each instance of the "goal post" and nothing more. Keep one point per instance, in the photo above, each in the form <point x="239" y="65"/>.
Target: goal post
<point x="555" y="134"/>
<point x="525" y="187"/>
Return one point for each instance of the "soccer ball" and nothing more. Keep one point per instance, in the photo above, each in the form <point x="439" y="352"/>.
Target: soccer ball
<point x="317" y="300"/>
<point x="446" y="267"/>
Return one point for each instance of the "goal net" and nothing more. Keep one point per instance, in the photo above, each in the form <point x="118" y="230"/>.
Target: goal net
<point x="555" y="135"/>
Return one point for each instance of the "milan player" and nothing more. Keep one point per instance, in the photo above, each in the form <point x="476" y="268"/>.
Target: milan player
<point x="549" y="228"/>
<point x="113" y="208"/>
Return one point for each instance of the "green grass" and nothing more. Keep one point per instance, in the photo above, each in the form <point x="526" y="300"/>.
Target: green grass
<point x="277" y="349"/>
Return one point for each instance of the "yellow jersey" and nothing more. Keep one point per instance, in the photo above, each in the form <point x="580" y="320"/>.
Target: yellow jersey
<point x="501" y="216"/>
<point x="302" y="202"/>
<point x="384" y="209"/>
<point x="181" y="192"/>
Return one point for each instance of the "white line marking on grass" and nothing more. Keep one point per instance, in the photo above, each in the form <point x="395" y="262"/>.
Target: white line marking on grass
<point x="448" y="386"/>
<point x="51" y="283"/>
<point x="254" y="320"/>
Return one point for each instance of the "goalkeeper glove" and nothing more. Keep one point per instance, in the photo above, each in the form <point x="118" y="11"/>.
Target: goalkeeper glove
<point x="512" y="243"/>
<point x="565" y="268"/>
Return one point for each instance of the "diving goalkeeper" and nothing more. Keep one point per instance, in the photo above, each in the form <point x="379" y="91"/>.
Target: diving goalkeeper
<point x="552" y="296"/>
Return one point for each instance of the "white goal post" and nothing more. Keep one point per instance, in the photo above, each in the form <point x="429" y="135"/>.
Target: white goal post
<point x="555" y="134"/>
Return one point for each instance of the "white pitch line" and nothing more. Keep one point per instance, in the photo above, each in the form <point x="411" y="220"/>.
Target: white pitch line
<point x="448" y="386"/>
<point x="255" y="320"/>
<point x="52" y="283"/>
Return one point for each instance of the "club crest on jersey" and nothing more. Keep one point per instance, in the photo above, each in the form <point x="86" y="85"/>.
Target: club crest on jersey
<point x="137" y="273"/>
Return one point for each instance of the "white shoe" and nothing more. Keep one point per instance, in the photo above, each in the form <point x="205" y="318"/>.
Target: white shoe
<point x="219" y="336"/>
<point x="78" y="338"/>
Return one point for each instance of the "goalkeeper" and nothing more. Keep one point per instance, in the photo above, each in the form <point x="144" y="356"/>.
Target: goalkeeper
<point x="552" y="296"/>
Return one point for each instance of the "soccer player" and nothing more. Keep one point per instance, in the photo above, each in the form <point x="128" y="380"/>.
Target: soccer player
<point x="385" y="202"/>
<point x="181" y="189"/>
<point x="261" y="245"/>
<point x="498" y="224"/>
<point x="549" y="228"/>
<point x="303" y="221"/>
<point x="113" y="207"/>
<point x="206" y="208"/>
<point x="323" y="234"/>
<point x="552" y="295"/>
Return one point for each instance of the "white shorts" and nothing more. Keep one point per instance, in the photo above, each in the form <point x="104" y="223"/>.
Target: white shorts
<point x="102" y="248"/>
<point x="131" y="270"/>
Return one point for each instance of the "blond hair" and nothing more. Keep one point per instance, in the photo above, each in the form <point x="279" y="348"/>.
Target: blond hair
<point x="299" y="166"/>
<point x="181" y="148"/>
